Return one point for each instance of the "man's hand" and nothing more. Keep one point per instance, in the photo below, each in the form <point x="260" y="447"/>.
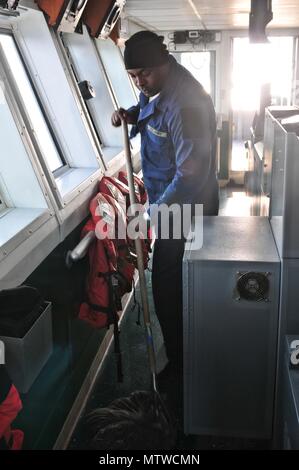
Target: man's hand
<point x="122" y="114"/>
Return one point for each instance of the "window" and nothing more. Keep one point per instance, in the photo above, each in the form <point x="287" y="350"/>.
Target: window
<point x="37" y="119"/>
<point x="262" y="74"/>
<point x="22" y="202"/>
<point x="77" y="79"/>
<point x="257" y="64"/>
<point x="86" y="63"/>
<point x="114" y="65"/>
<point x="199" y="64"/>
<point x="202" y="65"/>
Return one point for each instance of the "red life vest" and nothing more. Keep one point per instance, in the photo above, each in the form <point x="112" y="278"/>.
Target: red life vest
<point x="107" y="188"/>
<point x="10" y="405"/>
<point x="116" y="189"/>
<point x="99" y="309"/>
<point x="123" y="246"/>
<point x="138" y="184"/>
<point x="111" y="267"/>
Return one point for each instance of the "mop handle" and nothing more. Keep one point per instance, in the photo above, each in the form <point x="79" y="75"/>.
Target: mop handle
<point x="139" y="252"/>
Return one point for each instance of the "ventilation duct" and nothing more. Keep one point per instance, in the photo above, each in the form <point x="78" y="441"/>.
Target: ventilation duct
<point x="260" y="15"/>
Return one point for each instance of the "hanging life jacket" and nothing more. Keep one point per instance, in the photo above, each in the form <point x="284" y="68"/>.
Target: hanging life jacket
<point x="111" y="273"/>
<point x="111" y="265"/>
<point x="123" y="246"/>
<point x="138" y="185"/>
<point x="116" y="189"/>
<point x="10" y="405"/>
<point x="107" y="185"/>
<point x="100" y="305"/>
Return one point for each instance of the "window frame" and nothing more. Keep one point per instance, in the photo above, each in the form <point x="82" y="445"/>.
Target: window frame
<point x="37" y="218"/>
<point x="65" y="183"/>
<point x="109" y="150"/>
<point x="107" y="73"/>
<point x="8" y="71"/>
<point x="66" y="55"/>
<point x="212" y="53"/>
<point x="17" y="114"/>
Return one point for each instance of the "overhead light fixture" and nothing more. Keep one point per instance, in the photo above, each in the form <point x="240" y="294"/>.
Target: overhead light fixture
<point x="260" y="15"/>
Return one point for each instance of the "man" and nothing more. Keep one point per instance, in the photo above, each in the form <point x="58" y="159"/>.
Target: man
<point x="176" y="120"/>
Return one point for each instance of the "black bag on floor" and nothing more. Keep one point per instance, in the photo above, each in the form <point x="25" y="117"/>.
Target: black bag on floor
<point x="19" y="309"/>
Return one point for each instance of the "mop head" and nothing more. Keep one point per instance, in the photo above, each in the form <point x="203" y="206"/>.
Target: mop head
<point x="137" y="422"/>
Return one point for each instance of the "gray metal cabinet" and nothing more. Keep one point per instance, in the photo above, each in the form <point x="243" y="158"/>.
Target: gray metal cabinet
<point x="230" y="342"/>
<point x="282" y="168"/>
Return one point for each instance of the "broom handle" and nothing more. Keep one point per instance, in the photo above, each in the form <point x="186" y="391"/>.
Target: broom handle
<point x="140" y="264"/>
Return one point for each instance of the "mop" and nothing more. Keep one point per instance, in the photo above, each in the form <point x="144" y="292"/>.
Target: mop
<point x="140" y="421"/>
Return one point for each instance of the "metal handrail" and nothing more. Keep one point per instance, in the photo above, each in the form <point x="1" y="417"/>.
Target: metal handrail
<point x="80" y="250"/>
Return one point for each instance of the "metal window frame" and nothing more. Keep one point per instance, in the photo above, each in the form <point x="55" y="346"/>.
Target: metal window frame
<point x="65" y="165"/>
<point x="34" y="90"/>
<point x="107" y="80"/>
<point x="14" y="108"/>
<point x="106" y="74"/>
<point x="294" y="94"/>
<point x="88" y="113"/>
<point x="23" y="116"/>
<point x="17" y="115"/>
<point x="75" y="78"/>
<point x="85" y="115"/>
<point x="213" y="75"/>
<point x="43" y="168"/>
<point x="212" y="53"/>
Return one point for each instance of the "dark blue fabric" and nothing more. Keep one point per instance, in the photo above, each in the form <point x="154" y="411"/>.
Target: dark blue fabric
<point x="178" y="142"/>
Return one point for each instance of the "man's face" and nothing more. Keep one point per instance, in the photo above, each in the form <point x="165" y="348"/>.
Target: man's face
<point x="149" y="80"/>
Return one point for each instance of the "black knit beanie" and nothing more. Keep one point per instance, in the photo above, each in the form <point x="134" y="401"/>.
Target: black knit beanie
<point x="145" y="50"/>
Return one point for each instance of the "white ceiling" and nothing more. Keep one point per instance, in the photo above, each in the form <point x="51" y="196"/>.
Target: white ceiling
<point x="169" y="15"/>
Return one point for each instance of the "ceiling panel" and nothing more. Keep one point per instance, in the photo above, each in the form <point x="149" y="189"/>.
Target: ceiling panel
<point x="212" y="14"/>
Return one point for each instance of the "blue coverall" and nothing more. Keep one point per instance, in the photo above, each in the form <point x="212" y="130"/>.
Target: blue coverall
<point x="178" y="152"/>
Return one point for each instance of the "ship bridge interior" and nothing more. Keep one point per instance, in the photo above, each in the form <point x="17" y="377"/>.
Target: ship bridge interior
<point x="62" y="76"/>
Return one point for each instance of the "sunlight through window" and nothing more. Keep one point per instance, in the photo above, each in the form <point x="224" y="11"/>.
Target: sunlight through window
<point x="256" y="64"/>
<point x="35" y="114"/>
